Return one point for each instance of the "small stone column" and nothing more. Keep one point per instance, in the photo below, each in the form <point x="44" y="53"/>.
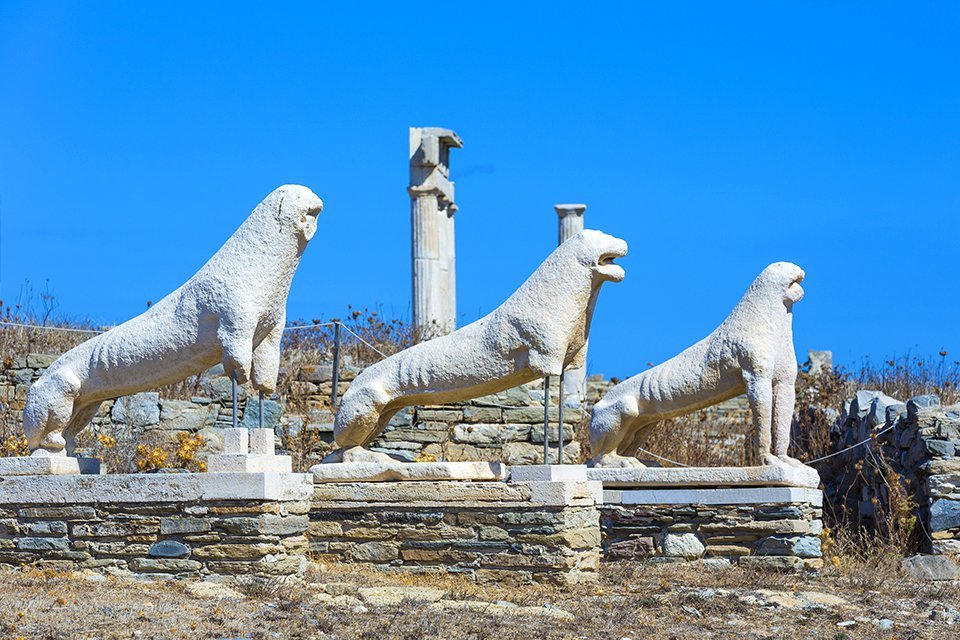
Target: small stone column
<point x="570" y="224"/>
<point x="431" y="225"/>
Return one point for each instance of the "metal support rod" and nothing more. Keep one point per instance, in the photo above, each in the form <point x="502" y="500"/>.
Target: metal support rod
<point x="560" y="424"/>
<point x="261" y="410"/>
<point x="546" y="420"/>
<point x="336" y="366"/>
<point x="233" y="394"/>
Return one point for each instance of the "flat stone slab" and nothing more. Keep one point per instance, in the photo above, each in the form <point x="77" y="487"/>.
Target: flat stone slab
<point x="39" y="466"/>
<point x="154" y="487"/>
<point x="456" y="494"/>
<point x="765" y="476"/>
<point x="407" y="471"/>
<point x="549" y="473"/>
<point x="248" y="463"/>
<point x="746" y="495"/>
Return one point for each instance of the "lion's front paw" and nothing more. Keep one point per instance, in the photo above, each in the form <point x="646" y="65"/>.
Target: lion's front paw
<point x="358" y="454"/>
<point x="793" y="462"/>
<point x="768" y="459"/>
<point x="615" y="461"/>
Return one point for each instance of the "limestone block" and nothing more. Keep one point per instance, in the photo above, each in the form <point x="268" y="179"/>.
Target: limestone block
<point x="248" y="463"/>
<point x="40" y="360"/>
<point x="932" y="568"/>
<point x="742" y="496"/>
<point x="406" y="471"/>
<point x="549" y="473"/>
<point x="540" y="330"/>
<point x="39" y="465"/>
<point x="184" y="415"/>
<point x="944" y="514"/>
<point x="262" y="442"/>
<point x="757" y="336"/>
<point x="490" y="434"/>
<point x="139" y="410"/>
<point x="536" y="432"/>
<point x="683" y="545"/>
<point x="799" y="546"/>
<point x="780" y="475"/>
<point x="231" y="312"/>
<point x="153" y="488"/>
<point x="236" y="441"/>
<point x="272" y="412"/>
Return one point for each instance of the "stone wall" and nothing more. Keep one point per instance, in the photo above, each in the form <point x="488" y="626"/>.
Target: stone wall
<point x="912" y="464"/>
<point x="158" y="526"/>
<point x="487" y="531"/>
<point x="782" y="533"/>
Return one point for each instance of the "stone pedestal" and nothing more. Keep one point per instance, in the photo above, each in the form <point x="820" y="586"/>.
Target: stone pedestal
<point x="47" y="465"/>
<point x="186" y="525"/>
<point x="248" y="451"/>
<point x="771" y="527"/>
<point x="489" y="531"/>
<point x="689" y="477"/>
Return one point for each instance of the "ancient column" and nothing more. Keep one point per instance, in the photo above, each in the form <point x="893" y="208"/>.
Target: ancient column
<point x="431" y="225"/>
<point x="570" y="224"/>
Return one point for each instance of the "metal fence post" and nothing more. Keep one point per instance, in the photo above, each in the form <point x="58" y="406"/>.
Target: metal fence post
<point x="560" y="423"/>
<point x="336" y="366"/>
<point x="233" y="394"/>
<point x="261" y="409"/>
<point x="546" y="420"/>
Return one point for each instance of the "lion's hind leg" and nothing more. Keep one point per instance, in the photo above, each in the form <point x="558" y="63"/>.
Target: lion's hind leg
<point x="610" y="424"/>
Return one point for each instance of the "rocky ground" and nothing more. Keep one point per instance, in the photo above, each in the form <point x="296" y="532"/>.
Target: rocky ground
<point x="629" y="601"/>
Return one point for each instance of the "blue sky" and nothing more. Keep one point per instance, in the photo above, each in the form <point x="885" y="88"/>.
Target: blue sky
<point x="714" y="137"/>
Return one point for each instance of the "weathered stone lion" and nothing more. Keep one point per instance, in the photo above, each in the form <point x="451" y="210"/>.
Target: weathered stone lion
<point x="540" y="330"/>
<point x="232" y="311"/>
<point x="752" y="352"/>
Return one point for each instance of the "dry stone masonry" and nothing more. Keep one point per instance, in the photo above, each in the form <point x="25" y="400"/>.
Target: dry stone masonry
<point x="776" y="528"/>
<point x="917" y="442"/>
<point x="158" y="526"/>
<point x="545" y="531"/>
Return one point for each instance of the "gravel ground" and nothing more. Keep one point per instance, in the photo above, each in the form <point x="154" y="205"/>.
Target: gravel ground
<point x="629" y="601"/>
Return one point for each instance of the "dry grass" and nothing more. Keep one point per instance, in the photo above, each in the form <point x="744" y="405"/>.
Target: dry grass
<point x="629" y="601"/>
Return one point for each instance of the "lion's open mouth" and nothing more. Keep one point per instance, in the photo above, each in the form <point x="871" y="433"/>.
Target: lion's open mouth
<point x="606" y="265"/>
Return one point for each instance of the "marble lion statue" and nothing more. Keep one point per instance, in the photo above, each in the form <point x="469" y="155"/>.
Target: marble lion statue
<point x="538" y="331"/>
<point x="752" y="352"/>
<point x="232" y="312"/>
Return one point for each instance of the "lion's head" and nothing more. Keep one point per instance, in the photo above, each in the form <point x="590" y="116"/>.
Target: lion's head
<point x="597" y="251"/>
<point x="784" y="277"/>
<point x="299" y="207"/>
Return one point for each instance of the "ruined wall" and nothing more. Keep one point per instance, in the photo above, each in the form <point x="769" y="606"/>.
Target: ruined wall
<point x="909" y="467"/>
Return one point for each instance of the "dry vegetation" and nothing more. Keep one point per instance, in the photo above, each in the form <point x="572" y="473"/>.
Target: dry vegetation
<point x="629" y="601"/>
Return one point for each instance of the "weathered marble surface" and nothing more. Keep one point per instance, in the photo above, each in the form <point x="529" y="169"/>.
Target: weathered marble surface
<point x="540" y="330"/>
<point x="751" y="351"/>
<point x="232" y="312"/>
<point x="380" y="471"/>
<point x="765" y="476"/>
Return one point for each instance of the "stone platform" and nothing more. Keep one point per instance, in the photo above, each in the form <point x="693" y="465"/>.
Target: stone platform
<point x="771" y="527"/>
<point x="763" y="476"/>
<point x="158" y="525"/>
<point x="381" y="471"/>
<point x="538" y="531"/>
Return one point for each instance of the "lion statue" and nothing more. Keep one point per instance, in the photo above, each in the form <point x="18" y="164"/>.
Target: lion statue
<point x="539" y="331"/>
<point x="232" y="311"/>
<point x="752" y="352"/>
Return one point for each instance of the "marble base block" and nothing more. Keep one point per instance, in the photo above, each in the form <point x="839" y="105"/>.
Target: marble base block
<point x="380" y="471"/>
<point x="249" y="463"/>
<point x="39" y="466"/>
<point x="765" y="476"/>
<point x="549" y="473"/>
